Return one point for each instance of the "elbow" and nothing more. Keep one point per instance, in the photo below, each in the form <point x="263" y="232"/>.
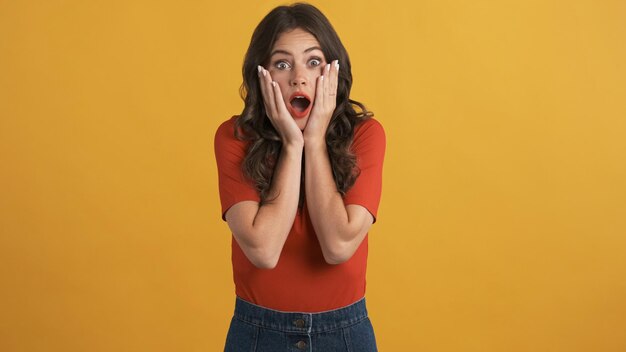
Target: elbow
<point x="262" y="258"/>
<point x="261" y="254"/>
<point x="335" y="260"/>
<point x="338" y="254"/>
<point x="340" y="249"/>
<point x="264" y="263"/>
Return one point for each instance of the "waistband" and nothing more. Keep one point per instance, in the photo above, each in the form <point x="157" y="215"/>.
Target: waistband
<point x="303" y="323"/>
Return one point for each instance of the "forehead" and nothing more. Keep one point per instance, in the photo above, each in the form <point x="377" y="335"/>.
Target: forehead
<point x="295" y="41"/>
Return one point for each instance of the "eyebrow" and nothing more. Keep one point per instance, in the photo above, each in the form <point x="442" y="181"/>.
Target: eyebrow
<point x="288" y="53"/>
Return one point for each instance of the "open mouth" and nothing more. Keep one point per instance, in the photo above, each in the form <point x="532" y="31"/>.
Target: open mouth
<point x="299" y="105"/>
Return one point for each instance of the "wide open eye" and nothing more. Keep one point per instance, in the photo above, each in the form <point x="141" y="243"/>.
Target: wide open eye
<point x="315" y="61"/>
<point x="282" y="65"/>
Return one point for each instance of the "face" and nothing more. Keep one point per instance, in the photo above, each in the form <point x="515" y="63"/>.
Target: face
<point x="295" y="64"/>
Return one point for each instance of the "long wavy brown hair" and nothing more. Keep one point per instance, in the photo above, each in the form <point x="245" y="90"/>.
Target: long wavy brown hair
<point x="254" y="126"/>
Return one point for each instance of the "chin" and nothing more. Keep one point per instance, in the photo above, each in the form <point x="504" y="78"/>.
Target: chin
<point x="301" y="122"/>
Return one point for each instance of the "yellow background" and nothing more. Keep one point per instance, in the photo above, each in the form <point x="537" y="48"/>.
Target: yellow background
<point x="503" y="220"/>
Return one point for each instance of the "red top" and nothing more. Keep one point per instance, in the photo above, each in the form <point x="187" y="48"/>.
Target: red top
<point x="302" y="281"/>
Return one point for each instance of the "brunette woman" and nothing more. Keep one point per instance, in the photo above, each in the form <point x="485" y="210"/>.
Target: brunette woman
<point x="300" y="181"/>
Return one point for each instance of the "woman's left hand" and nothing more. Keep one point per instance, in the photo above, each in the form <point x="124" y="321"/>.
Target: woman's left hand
<point x="324" y="105"/>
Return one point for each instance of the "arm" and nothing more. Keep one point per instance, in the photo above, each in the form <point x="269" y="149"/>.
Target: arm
<point x="340" y="229"/>
<point x="261" y="230"/>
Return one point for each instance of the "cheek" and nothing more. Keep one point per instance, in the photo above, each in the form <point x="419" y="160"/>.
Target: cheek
<point x="282" y="81"/>
<point x="317" y="75"/>
<point x="316" y="81"/>
<point x="284" y="89"/>
<point x="279" y="77"/>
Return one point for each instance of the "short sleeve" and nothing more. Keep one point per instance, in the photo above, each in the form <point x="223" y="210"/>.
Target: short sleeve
<point x="369" y="147"/>
<point x="234" y="187"/>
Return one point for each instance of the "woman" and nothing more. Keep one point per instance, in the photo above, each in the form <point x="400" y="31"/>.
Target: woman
<point x="300" y="181"/>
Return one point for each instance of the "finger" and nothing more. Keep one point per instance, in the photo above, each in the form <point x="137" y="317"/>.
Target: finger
<point x="327" y="73"/>
<point x="263" y="86"/>
<point x="268" y="93"/>
<point x="319" y="93"/>
<point x="279" y="102"/>
<point x="267" y="81"/>
<point x="333" y="81"/>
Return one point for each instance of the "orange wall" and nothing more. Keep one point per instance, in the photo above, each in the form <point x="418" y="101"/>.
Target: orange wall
<point x="502" y="225"/>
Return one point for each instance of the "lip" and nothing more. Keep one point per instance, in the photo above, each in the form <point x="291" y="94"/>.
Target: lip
<point x="295" y="113"/>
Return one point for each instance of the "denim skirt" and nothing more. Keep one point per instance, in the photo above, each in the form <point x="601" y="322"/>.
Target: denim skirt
<point x="257" y="329"/>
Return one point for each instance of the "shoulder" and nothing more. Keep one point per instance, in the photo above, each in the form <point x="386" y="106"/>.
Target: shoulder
<point x="226" y="129"/>
<point x="225" y="133"/>
<point x="369" y="131"/>
<point x="225" y="143"/>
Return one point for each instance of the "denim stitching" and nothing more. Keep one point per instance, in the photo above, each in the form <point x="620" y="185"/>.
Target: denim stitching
<point x="309" y="333"/>
<point x="256" y="339"/>
<point x="347" y="338"/>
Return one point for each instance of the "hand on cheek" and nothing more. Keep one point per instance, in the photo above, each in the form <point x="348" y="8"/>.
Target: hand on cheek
<point x="276" y="109"/>
<point x="324" y="105"/>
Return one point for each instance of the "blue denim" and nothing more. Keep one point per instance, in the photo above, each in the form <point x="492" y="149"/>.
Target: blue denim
<point x="257" y="329"/>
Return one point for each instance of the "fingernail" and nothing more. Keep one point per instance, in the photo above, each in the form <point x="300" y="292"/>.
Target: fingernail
<point x="259" y="68"/>
<point x="264" y="72"/>
<point x="273" y="84"/>
<point x="321" y="78"/>
<point x="327" y="67"/>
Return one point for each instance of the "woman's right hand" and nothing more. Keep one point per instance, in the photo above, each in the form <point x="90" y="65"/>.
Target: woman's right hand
<point x="277" y="111"/>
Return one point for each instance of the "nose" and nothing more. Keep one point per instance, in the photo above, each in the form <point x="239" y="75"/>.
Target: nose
<point x="298" y="77"/>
